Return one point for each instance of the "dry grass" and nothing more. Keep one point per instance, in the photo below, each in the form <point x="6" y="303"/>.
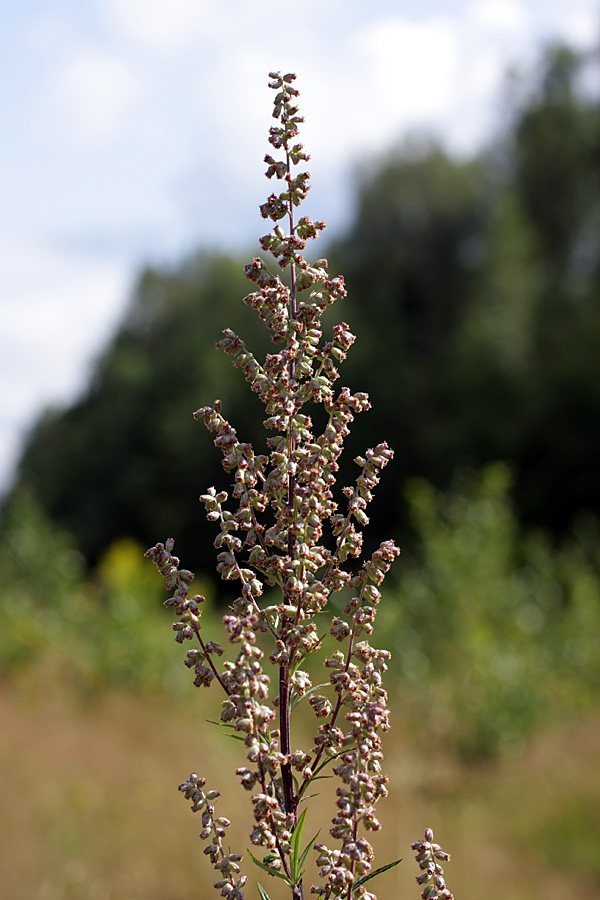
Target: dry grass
<point x="90" y="809"/>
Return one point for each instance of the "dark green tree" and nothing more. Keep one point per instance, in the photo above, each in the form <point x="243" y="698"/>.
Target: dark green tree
<point x="413" y="259"/>
<point x="556" y="176"/>
<point x="556" y="164"/>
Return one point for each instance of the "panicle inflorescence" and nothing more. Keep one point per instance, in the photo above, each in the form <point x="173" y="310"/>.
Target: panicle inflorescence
<point x="432" y="875"/>
<point x="290" y="542"/>
<point x="227" y="864"/>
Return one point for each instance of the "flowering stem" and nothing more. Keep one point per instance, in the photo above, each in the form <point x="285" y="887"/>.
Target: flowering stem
<point x="289" y="799"/>
<point x="284" y="724"/>
<point x="285" y="534"/>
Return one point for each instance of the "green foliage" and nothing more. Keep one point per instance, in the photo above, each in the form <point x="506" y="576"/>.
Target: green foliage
<point x="569" y="837"/>
<point x="493" y="630"/>
<point x="93" y="631"/>
<point x="413" y="251"/>
<point x="412" y="259"/>
<point x="124" y="637"/>
<point x="557" y="137"/>
<point x="40" y="584"/>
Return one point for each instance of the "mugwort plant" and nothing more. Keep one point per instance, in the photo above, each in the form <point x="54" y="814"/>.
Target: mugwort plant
<point x="290" y="546"/>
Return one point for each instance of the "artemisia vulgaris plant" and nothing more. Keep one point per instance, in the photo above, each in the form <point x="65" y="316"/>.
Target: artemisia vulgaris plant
<point x="290" y="546"/>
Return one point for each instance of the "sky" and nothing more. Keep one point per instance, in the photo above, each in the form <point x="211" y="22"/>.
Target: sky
<point x="133" y="132"/>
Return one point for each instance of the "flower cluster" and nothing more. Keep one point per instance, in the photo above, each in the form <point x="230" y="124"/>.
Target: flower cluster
<point x="227" y="864"/>
<point x="290" y="542"/>
<point x="432" y="875"/>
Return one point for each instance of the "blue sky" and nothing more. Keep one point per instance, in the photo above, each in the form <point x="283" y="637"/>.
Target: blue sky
<point x="134" y="131"/>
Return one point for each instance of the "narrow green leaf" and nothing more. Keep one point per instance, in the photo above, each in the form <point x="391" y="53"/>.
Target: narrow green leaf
<point x="326" y="763"/>
<point x="295" y="846"/>
<point x="265" y="868"/>
<point x="312" y="650"/>
<point x="319" y="778"/>
<point x="263" y="894"/>
<point x="235" y="737"/>
<point x="304" y="857"/>
<point x="375" y="873"/>
<point x="311" y="796"/>
<point x="298" y="698"/>
<point x="220" y="724"/>
<point x="316" y="776"/>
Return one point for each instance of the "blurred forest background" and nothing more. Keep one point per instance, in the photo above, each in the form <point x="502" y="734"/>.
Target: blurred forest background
<point x="474" y="290"/>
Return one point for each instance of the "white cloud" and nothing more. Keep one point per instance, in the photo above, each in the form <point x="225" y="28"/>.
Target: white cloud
<point x="386" y="77"/>
<point x="43" y="287"/>
<point x="56" y="310"/>
<point x="410" y="69"/>
<point x="91" y="97"/>
<point x="506" y="16"/>
<point x="577" y="22"/>
<point x="166" y="26"/>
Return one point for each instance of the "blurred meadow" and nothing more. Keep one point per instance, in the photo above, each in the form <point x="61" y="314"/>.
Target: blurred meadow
<point x="494" y="688"/>
<point x="474" y="291"/>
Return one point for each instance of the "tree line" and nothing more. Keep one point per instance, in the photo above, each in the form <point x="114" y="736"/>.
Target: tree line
<point x="474" y="290"/>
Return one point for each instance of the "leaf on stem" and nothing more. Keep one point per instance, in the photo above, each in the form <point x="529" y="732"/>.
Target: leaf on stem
<point x="266" y="868"/>
<point x="298" y="859"/>
<point x="375" y="873"/>
<point x="311" y="690"/>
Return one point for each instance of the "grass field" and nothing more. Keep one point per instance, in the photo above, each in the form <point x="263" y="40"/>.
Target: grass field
<point x="90" y="808"/>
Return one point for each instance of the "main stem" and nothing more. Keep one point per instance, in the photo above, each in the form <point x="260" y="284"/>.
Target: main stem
<point x="289" y="798"/>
